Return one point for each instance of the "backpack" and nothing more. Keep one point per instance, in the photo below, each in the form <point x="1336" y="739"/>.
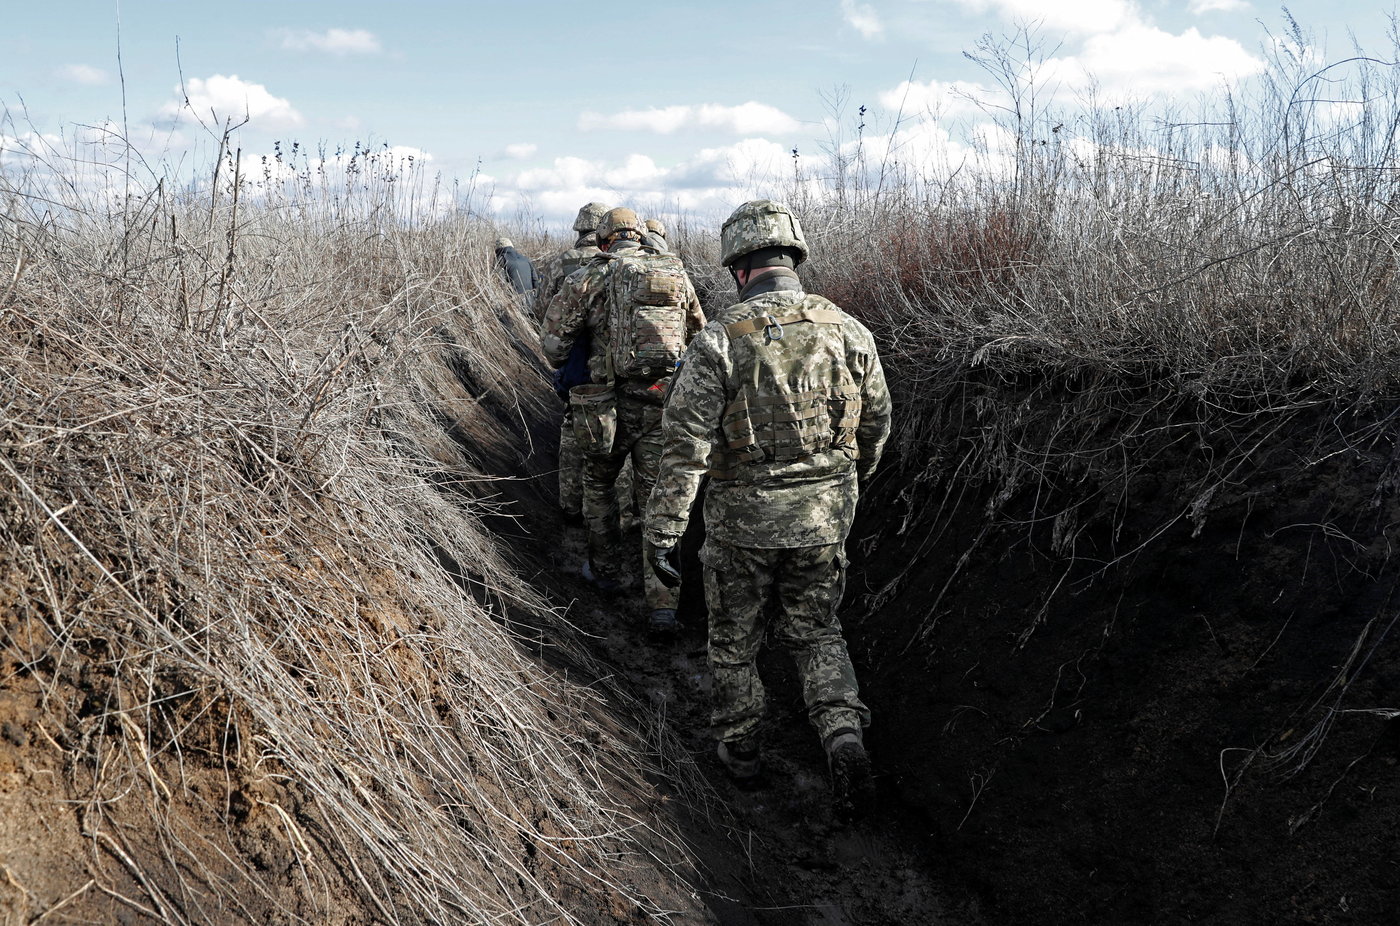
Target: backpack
<point x="646" y="316"/>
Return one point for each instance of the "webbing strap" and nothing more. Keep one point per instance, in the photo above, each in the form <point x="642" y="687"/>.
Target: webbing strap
<point x="739" y="329"/>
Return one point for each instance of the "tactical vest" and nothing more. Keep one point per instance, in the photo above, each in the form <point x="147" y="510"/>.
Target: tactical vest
<point x="797" y="397"/>
<point x="646" y="323"/>
<point x="573" y="259"/>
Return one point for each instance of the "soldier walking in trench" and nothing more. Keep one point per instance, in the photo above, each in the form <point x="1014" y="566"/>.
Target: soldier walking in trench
<point x="639" y="309"/>
<point x="574" y="370"/>
<point x="655" y="237"/>
<point x="782" y="401"/>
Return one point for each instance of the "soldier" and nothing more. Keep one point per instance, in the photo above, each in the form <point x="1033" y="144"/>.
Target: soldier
<point x="655" y="237"/>
<point x="559" y="268"/>
<point x="639" y="309"/>
<point x="550" y="280"/>
<point x="516" y="267"/>
<point x="782" y="401"/>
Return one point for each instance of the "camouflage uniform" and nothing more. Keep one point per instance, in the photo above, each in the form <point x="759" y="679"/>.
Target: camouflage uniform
<point x="558" y="269"/>
<point x="548" y="283"/>
<point x="584" y="305"/>
<point x="785" y="472"/>
<point x="655" y="237"/>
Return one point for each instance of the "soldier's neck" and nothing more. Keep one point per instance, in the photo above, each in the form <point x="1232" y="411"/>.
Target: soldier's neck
<point x="771" y="280"/>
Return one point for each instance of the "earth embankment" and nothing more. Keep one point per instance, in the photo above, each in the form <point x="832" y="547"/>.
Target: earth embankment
<point x="1133" y="651"/>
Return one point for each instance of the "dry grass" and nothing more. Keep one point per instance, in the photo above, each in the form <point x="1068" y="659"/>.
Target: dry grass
<point x="1111" y="290"/>
<point x="223" y="455"/>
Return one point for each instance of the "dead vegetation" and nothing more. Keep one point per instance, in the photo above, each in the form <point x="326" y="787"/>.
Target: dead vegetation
<point x="1127" y="343"/>
<point x="259" y="658"/>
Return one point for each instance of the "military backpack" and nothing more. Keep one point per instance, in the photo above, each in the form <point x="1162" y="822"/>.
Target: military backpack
<point x="647" y="314"/>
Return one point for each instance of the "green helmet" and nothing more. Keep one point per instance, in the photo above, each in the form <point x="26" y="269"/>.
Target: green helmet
<point x="588" y="217"/>
<point x="758" y="224"/>
<point x="618" y="220"/>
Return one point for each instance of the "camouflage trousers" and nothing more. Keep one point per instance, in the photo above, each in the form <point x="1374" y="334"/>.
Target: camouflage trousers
<point x="794" y="593"/>
<point x="638" y="439"/>
<point x="570" y="467"/>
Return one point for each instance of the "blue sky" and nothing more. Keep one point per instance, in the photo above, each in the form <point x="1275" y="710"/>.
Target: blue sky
<point x="555" y="103"/>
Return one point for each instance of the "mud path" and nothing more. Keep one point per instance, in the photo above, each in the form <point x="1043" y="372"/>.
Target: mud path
<point x="775" y="854"/>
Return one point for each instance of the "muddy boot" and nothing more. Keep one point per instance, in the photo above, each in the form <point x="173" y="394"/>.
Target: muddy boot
<point x="852" y="787"/>
<point x="601" y="583"/>
<point x="662" y="624"/>
<point x="742" y="762"/>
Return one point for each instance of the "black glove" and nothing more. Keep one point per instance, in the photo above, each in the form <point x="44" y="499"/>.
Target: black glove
<point x="663" y="563"/>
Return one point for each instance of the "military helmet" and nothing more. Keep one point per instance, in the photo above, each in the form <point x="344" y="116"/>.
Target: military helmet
<point x="758" y="224"/>
<point x="656" y="228"/>
<point x="618" y="220"/>
<point x="504" y="243"/>
<point x="588" y="217"/>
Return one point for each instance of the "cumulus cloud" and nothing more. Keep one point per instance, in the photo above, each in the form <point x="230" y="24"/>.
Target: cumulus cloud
<point x="744" y="119"/>
<point x="711" y="181"/>
<point x="1081" y="16"/>
<point x="939" y="98"/>
<point x="221" y="98"/>
<point x="1198" y="7"/>
<point x="332" y="41"/>
<point x="521" y="151"/>
<point x="85" y="74"/>
<point x="862" y="18"/>
<point x="1122" y="51"/>
<point x="1145" y="59"/>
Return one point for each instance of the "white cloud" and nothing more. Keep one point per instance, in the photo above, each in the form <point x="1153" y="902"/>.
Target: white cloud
<point x="1199" y="7"/>
<point x="1122" y="51"/>
<point x="862" y="18"/>
<point x="753" y="160"/>
<point x="1080" y="16"/>
<point x="744" y="119"/>
<point x="85" y="74"/>
<point x="223" y="98"/>
<point x="332" y="41"/>
<point x="940" y="98"/>
<point x="521" y="151"/>
<point x="1145" y="59"/>
<point x="711" y="181"/>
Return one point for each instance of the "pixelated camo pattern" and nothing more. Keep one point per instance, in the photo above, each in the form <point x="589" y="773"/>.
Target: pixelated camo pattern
<point x="740" y="584"/>
<point x="777" y="500"/>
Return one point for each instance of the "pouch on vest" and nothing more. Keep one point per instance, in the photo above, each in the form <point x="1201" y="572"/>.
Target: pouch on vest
<point x="801" y="399"/>
<point x="595" y="417"/>
<point x="647" y="326"/>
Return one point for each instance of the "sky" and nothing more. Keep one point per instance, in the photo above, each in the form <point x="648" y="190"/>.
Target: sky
<point x="548" y="105"/>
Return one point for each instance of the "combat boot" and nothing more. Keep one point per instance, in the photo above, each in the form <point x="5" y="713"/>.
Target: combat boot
<point x="742" y="762"/>
<point x="662" y="624"/>
<point x="601" y="583"/>
<point x="852" y="786"/>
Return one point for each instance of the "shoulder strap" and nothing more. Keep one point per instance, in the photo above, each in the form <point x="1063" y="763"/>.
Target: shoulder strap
<point x="758" y="323"/>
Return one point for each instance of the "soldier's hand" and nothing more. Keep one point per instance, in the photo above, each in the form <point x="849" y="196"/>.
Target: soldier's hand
<point x="664" y="564"/>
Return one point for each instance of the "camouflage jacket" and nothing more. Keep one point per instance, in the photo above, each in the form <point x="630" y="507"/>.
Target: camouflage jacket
<point x="786" y="499"/>
<point x="559" y="267"/>
<point x="582" y="306"/>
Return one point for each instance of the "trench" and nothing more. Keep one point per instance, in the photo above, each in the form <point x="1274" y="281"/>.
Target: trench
<point x="1143" y="684"/>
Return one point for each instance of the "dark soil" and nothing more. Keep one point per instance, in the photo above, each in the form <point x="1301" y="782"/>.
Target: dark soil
<point x="1162" y="692"/>
<point x="1157" y="690"/>
<point x="775" y="855"/>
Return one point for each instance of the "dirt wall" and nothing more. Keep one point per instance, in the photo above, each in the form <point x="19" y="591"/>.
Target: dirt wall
<point x="1135" y="660"/>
